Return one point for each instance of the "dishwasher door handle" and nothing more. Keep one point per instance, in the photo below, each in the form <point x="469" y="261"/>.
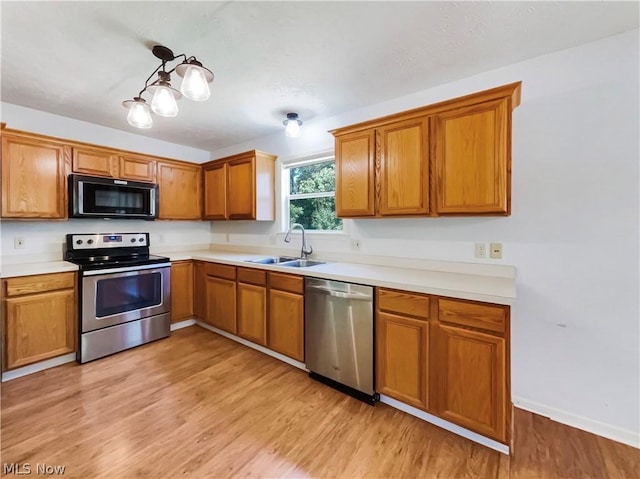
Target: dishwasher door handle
<point x="340" y="294"/>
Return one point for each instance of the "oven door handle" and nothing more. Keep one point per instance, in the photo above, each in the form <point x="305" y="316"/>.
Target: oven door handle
<point x="125" y="269"/>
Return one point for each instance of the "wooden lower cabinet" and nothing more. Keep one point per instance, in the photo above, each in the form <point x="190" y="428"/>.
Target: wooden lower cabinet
<point x="181" y="290"/>
<point x="286" y="323"/>
<point x="402" y="358"/>
<point x="447" y="356"/>
<point x="469" y="383"/>
<point x="40" y="318"/>
<point x="221" y="303"/>
<point x="199" y="290"/>
<point x="252" y="313"/>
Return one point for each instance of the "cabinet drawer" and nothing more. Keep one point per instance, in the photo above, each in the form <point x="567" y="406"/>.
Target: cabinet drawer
<point x="252" y="276"/>
<point x="410" y="304"/>
<point x="466" y="313"/>
<point x="221" y="271"/>
<point x="286" y="282"/>
<point x="39" y="283"/>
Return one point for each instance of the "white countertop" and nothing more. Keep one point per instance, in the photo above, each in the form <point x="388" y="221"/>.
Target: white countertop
<point x="479" y="287"/>
<point x="490" y="289"/>
<point x="29" y="269"/>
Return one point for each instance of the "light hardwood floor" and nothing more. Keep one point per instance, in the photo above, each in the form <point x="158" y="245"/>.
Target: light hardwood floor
<point x="198" y="405"/>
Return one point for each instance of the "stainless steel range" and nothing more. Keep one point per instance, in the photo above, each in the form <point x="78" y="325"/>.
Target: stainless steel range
<point x="125" y="297"/>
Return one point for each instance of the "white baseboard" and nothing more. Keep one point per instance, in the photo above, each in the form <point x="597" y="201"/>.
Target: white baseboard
<point x="614" y="433"/>
<point x="449" y="426"/>
<point x="257" y="347"/>
<point x="41" y="366"/>
<point x="183" y="324"/>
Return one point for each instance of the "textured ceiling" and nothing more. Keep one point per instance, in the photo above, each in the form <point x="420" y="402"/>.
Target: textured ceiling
<point x="82" y="59"/>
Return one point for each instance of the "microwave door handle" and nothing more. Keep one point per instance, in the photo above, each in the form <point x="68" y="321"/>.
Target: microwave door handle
<point x="153" y="202"/>
<point x="80" y="197"/>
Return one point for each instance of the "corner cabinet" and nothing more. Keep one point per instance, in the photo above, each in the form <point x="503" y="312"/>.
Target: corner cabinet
<point x="39" y="318"/>
<point x="240" y="187"/>
<point x="450" y="158"/>
<point x="180" y="191"/>
<point x="34" y="176"/>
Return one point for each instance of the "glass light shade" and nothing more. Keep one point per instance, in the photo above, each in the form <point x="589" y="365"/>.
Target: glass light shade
<point x="194" y="85"/>
<point x="139" y="114"/>
<point x="163" y="102"/>
<point x="293" y="128"/>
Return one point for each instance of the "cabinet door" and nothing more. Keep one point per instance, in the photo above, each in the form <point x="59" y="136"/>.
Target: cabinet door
<point x="402" y="359"/>
<point x="469" y="388"/>
<point x="199" y="290"/>
<point x="215" y="192"/>
<point x="34" y="177"/>
<point x="221" y="303"/>
<point x="472" y="152"/>
<point x="181" y="291"/>
<point x="404" y="168"/>
<point x="355" y="156"/>
<point x="241" y="195"/>
<point x="39" y="327"/>
<point x="286" y="324"/>
<point x="95" y="161"/>
<point x="252" y="313"/>
<point x="179" y="192"/>
<point x="137" y="168"/>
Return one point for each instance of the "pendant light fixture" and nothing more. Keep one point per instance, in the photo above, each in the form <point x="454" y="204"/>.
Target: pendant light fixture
<point x="292" y="125"/>
<point x="195" y="86"/>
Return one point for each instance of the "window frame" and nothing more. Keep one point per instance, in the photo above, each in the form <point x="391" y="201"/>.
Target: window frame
<point x="286" y="197"/>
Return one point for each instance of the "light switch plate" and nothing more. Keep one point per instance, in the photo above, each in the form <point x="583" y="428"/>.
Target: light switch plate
<point x="355" y="244"/>
<point x="495" y="250"/>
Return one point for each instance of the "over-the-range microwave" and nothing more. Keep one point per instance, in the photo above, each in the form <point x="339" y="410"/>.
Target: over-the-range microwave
<point x="96" y="197"/>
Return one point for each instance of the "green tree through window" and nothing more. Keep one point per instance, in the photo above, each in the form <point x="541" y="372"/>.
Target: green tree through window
<point x="312" y="201"/>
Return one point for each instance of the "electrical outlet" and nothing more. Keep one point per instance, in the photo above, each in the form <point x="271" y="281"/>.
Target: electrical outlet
<point x="355" y="244"/>
<point x="18" y="242"/>
<point x="481" y="250"/>
<point x="495" y="250"/>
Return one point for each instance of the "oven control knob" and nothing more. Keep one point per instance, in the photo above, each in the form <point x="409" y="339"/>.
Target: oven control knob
<point x="141" y="240"/>
<point x="90" y="241"/>
<point x="133" y="240"/>
<point x="79" y="241"/>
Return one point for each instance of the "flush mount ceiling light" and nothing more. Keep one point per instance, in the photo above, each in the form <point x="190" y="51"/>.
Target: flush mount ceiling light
<point x="292" y="125"/>
<point x="195" y="86"/>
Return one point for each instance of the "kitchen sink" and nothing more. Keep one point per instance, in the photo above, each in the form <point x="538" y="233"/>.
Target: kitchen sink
<point x="301" y="263"/>
<point x="271" y="260"/>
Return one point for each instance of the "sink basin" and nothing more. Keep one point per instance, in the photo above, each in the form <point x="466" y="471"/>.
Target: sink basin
<point x="301" y="263"/>
<point x="271" y="260"/>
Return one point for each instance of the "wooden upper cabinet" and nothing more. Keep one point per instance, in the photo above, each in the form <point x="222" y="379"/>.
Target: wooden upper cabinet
<point x="34" y="173"/>
<point x="215" y="187"/>
<point x="179" y="189"/>
<point x="137" y="168"/>
<point x="246" y="182"/>
<point x="452" y="157"/>
<point x="404" y="168"/>
<point x="95" y="161"/>
<point x="242" y="189"/>
<point x="472" y="159"/>
<point x="355" y="166"/>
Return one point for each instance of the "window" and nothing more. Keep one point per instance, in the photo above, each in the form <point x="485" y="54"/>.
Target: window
<point x="310" y="194"/>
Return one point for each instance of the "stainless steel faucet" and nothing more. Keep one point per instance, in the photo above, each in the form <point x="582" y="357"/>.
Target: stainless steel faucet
<point x="306" y="248"/>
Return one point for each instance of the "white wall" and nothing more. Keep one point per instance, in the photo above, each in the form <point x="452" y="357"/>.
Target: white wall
<point x="573" y="232"/>
<point x="35" y="121"/>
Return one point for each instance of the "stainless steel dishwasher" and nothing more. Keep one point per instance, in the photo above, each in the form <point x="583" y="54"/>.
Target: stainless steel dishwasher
<point x="338" y="322"/>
